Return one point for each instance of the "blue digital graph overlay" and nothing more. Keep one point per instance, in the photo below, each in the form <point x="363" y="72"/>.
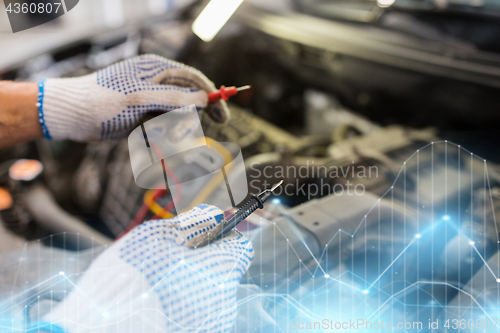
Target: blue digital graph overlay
<point x="426" y="251"/>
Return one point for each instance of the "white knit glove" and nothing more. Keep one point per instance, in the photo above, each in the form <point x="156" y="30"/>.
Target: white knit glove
<point x="110" y="102"/>
<point x="149" y="281"/>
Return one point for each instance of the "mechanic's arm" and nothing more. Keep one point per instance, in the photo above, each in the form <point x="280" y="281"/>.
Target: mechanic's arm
<point x="103" y="105"/>
<point x="18" y="113"/>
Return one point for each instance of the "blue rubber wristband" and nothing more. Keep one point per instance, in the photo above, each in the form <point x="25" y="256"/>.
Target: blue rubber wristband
<point x="45" y="130"/>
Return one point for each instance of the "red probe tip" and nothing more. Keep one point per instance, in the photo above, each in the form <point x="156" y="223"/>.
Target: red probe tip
<point x="243" y="88"/>
<point x="224" y="93"/>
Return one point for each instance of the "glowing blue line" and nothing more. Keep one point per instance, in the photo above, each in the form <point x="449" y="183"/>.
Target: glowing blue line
<point x="392" y="263"/>
<point x="484" y="261"/>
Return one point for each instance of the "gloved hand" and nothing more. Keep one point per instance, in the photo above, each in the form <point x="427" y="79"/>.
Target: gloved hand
<point x="149" y="281"/>
<point x="108" y="103"/>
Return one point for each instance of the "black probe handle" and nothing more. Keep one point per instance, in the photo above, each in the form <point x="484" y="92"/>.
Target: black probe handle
<point x="251" y="206"/>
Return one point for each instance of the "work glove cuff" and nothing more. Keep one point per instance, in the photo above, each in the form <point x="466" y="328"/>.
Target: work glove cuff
<point x="63" y="108"/>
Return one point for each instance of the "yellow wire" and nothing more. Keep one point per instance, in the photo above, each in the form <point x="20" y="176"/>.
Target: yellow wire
<point x="155" y="207"/>
<point x="211" y="186"/>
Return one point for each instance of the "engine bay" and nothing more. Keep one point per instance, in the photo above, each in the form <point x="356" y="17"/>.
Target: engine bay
<point x="384" y="214"/>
